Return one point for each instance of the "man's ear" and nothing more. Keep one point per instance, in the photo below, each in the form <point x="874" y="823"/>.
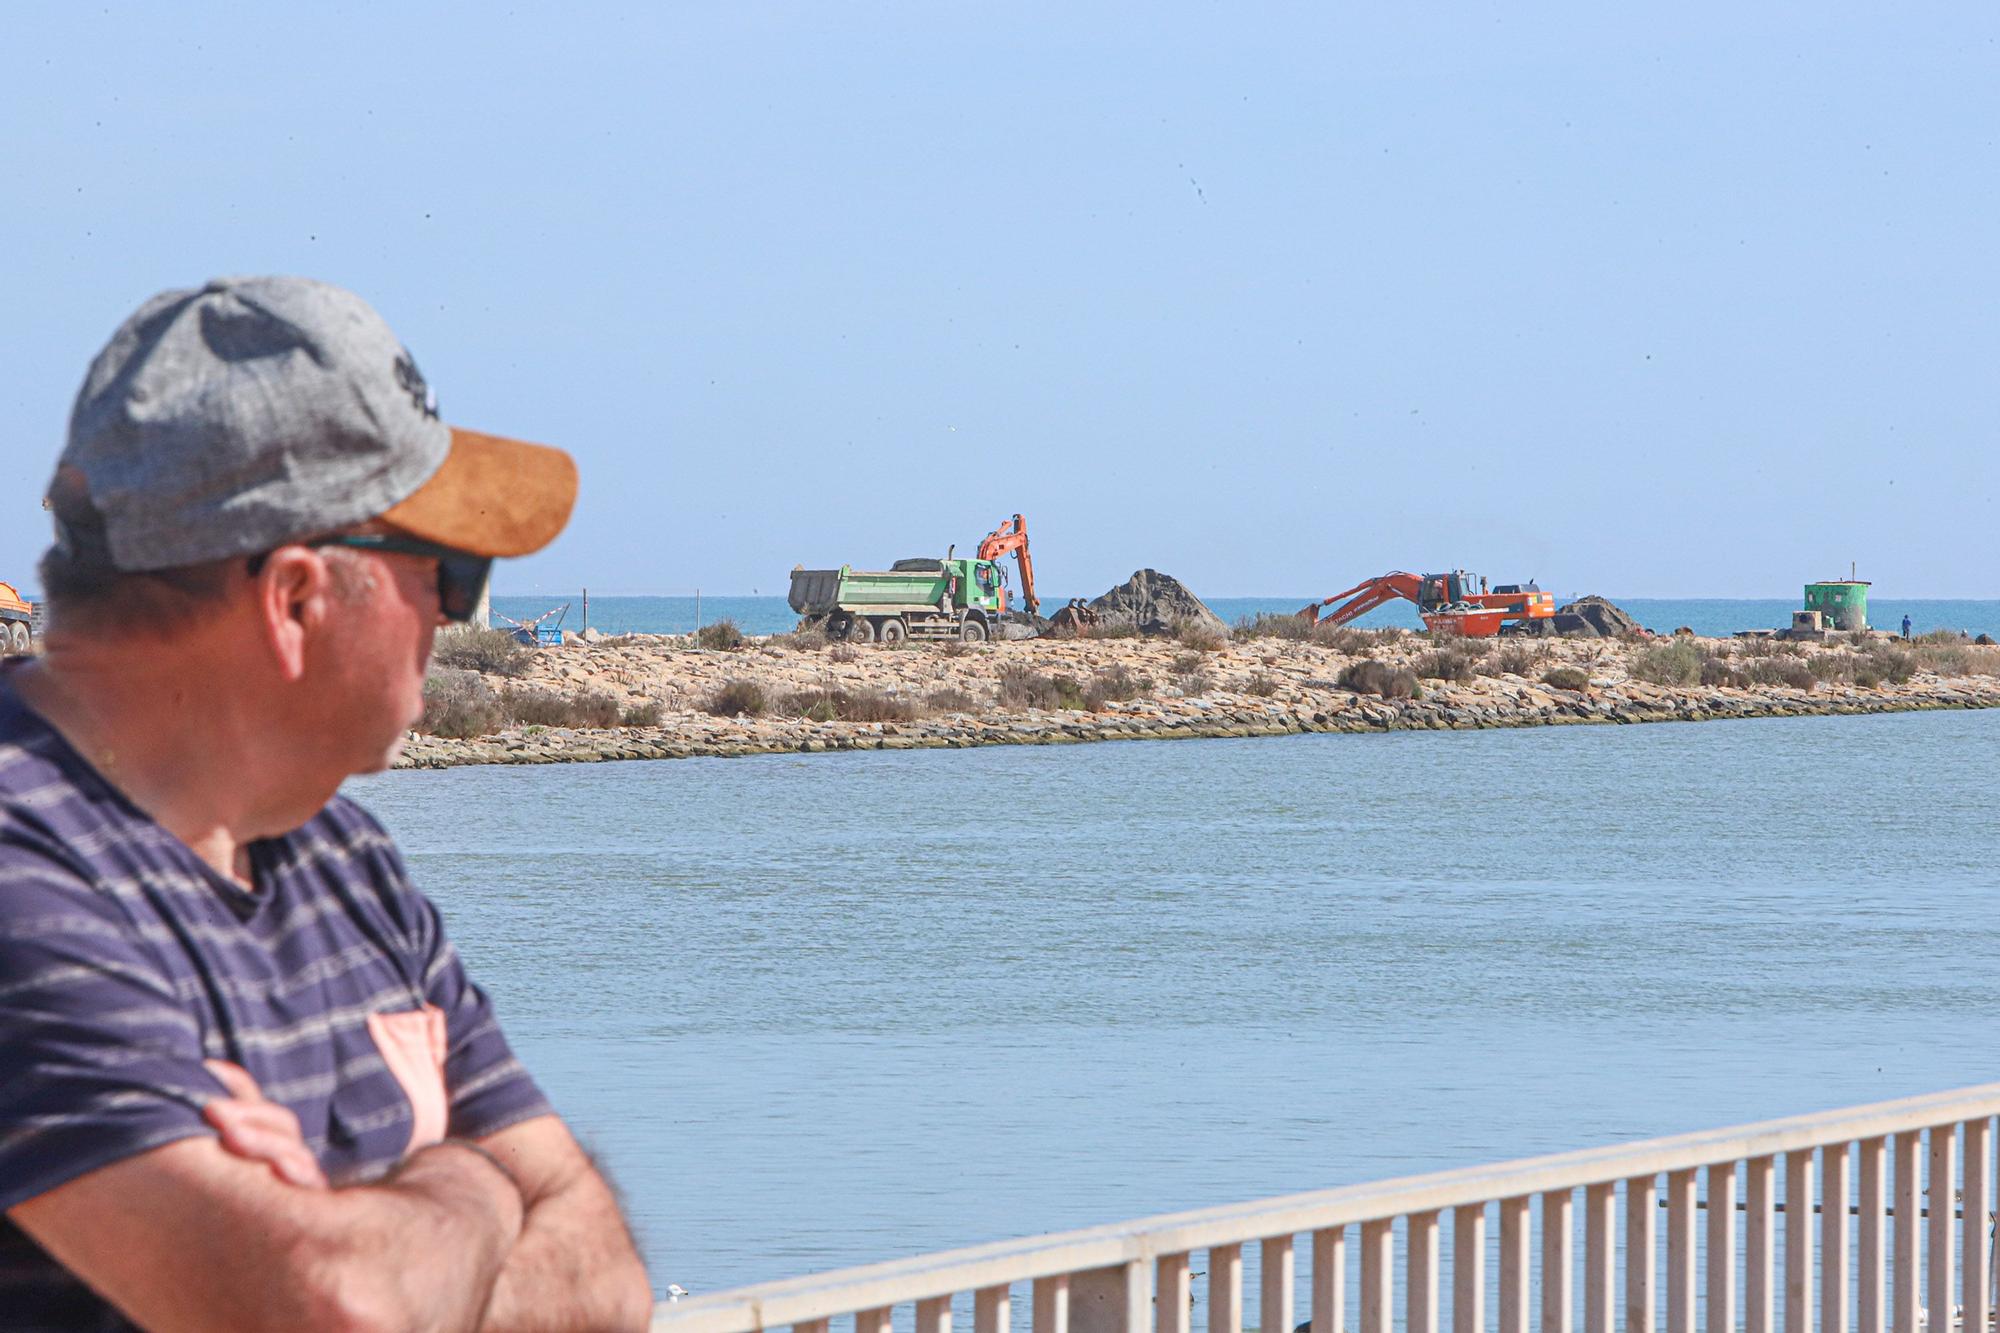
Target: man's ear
<point x="293" y="589"/>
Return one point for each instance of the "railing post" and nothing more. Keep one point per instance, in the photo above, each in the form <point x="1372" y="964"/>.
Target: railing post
<point x="1976" y="1284"/>
<point x="1378" y="1266"/>
<point x="872" y="1321"/>
<point x="1759" y="1248"/>
<point x="1117" y="1299"/>
<point x="1514" y="1279"/>
<point x="1225" y="1289"/>
<point x="1681" y="1232"/>
<point x="1600" y="1258"/>
<point x="1799" y="1242"/>
<point x="1051" y="1304"/>
<point x="1979" y="1201"/>
<point x="1871" y="1305"/>
<point x="1175" y="1302"/>
<point x="1558" y="1260"/>
<point x="993" y="1310"/>
<point x="1943" y="1208"/>
<point x="1834" y="1187"/>
<point x="934" y="1315"/>
<point x="1908" y="1288"/>
<point x="1721" y="1258"/>
<point x="1274" y="1280"/>
<point x="1642" y="1205"/>
<point x="1420" y="1310"/>
<point x="1468" y="1268"/>
<point x="1329" y="1280"/>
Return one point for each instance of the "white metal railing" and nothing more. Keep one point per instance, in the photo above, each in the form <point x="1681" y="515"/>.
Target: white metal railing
<point x="1849" y="1267"/>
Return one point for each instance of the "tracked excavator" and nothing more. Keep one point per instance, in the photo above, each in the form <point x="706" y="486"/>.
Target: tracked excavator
<point x="1457" y="603"/>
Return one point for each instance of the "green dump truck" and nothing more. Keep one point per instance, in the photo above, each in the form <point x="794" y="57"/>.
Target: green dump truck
<point x="913" y="599"/>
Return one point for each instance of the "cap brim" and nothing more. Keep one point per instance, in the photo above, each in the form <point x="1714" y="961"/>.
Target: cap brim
<point x="493" y="496"/>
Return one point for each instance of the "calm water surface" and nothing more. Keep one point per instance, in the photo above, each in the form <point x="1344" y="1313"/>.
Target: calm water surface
<point x="835" y="1009"/>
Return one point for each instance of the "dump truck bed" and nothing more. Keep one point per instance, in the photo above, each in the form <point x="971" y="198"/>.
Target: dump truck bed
<point x="818" y="592"/>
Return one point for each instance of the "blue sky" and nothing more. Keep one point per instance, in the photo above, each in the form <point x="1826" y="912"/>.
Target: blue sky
<point x="1689" y="300"/>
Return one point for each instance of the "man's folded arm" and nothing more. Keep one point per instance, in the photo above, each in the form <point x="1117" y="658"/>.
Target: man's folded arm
<point x="574" y="1266"/>
<point x="187" y="1236"/>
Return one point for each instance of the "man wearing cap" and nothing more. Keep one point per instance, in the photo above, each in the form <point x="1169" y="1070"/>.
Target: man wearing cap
<point x="244" y="1079"/>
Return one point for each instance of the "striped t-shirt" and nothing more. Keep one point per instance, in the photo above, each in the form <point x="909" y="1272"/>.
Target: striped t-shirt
<point x="125" y="961"/>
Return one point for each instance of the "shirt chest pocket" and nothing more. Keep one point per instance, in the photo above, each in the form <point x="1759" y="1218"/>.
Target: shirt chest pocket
<point x="412" y="1046"/>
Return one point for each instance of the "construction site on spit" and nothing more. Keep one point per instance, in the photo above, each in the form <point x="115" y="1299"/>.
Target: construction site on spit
<point x="953" y="651"/>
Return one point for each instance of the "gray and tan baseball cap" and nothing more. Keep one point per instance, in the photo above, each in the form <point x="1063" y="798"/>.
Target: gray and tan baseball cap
<point x="251" y="412"/>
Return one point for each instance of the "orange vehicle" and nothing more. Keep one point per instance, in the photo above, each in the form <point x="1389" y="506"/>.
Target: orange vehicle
<point x="1455" y="603"/>
<point x="16" y="617"/>
<point x="1012" y="538"/>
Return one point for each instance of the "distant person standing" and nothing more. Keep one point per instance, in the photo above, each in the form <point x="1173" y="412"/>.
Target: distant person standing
<point x="1906" y="628"/>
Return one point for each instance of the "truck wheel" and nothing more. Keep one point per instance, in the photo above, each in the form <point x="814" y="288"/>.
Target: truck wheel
<point x="972" y="631"/>
<point x="893" y="630"/>
<point x="859" y="630"/>
<point x="18" y="632"/>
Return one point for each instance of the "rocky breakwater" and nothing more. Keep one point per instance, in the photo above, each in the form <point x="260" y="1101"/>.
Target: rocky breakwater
<point x="645" y="697"/>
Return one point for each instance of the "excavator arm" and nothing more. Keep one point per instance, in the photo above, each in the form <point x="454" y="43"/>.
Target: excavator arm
<point x="1363" y="598"/>
<point x="1011" y="537"/>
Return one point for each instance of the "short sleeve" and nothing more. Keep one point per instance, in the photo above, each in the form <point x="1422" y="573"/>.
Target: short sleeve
<point x="489" y="1087"/>
<point x="98" y="1059"/>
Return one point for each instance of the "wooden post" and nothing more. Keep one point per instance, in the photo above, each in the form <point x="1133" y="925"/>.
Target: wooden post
<point x="1329" y="1280"/>
<point x="1468" y="1268"/>
<point x="1558" y="1266"/>
<point x="1721" y="1248"/>
<point x="1642" y="1205"/>
<point x="1274" y="1305"/>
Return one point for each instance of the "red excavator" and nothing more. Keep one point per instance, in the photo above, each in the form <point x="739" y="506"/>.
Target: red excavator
<point x="1454" y="603"/>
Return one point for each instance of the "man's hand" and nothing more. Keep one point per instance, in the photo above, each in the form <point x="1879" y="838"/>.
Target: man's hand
<point x="260" y="1130"/>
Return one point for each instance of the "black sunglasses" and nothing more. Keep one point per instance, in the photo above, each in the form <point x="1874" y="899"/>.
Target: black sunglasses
<point x="461" y="577"/>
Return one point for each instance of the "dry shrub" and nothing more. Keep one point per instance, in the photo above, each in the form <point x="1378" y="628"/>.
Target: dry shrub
<point x="1566" y="678"/>
<point x="953" y="647"/>
<point x="948" y="699"/>
<point x="459" y="705"/>
<point x="545" y="708"/>
<point x="1265" y="625"/>
<point x="1516" y="659"/>
<point x="1372" y="677"/>
<point x="723" y="634"/>
<point x="1200" y="636"/>
<point x="1021" y="687"/>
<point x="1954" y="658"/>
<point x="1891" y="662"/>
<point x="828" y="705"/>
<point x="645" y="714"/>
<point x="1343" y="638"/>
<point x="1677" y="662"/>
<point x="1261" y="685"/>
<point x="1114" y="684"/>
<point x="802" y="640"/>
<point x="472" y="648"/>
<point x="1186" y="662"/>
<point x="1783" y="670"/>
<point x="1193" y="684"/>
<point x="1452" y="664"/>
<point x="738" y="698"/>
<point x="841" y="652"/>
<point x="1721" y="672"/>
<point x="1110" y="629"/>
<point x="1832" y="666"/>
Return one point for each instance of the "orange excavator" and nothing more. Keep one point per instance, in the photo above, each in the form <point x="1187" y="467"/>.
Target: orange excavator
<point x="1455" y="603"/>
<point x="1011" y="538"/>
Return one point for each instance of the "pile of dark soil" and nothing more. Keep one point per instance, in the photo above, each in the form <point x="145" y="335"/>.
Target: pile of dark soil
<point x="1585" y="618"/>
<point x="1155" y="603"/>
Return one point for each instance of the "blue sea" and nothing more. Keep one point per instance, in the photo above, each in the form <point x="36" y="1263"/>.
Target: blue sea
<point x="808" y="1019"/>
<point x="1704" y="615"/>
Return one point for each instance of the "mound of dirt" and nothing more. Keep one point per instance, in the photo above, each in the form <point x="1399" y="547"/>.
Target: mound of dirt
<point x="1593" y="618"/>
<point x="1155" y="603"/>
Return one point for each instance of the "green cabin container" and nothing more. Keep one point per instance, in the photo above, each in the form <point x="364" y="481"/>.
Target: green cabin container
<point x="1842" y="603"/>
